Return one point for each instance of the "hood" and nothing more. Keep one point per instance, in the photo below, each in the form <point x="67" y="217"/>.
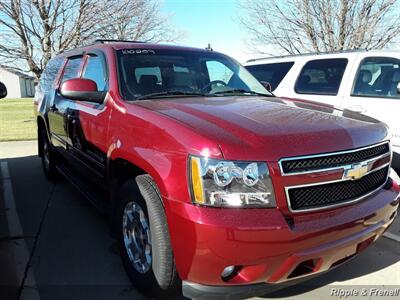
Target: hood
<point x="261" y="128"/>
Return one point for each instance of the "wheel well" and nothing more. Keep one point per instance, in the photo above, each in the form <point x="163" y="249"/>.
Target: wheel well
<point x="120" y="170"/>
<point x="40" y="127"/>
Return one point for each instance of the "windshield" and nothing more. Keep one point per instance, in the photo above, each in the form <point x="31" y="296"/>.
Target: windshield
<point x="163" y="73"/>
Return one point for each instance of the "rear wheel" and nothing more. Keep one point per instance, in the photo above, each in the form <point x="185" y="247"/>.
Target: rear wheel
<point x="144" y="238"/>
<point x="49" y="158"/>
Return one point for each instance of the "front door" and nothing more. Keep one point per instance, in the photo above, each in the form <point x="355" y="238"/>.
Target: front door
<point x="58" y="108"/>
<point x="87" y="125"/>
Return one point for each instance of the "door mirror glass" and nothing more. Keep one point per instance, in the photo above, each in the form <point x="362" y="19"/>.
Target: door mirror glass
<point x="81" y="89"/>
<point x="398" y="89"/>
<point x="3" y="90"/>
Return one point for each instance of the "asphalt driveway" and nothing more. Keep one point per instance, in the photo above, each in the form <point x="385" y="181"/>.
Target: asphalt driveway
<point x="54" y="244"/>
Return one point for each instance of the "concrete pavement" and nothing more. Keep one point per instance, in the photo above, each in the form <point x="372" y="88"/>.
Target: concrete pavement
<point x="71" y="254"/>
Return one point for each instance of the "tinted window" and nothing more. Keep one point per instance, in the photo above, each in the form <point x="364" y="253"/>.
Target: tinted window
<point x="94" y="70"/>
<point x="322" y="77"/>
<point x="72" y="68"/>
<point x="50" y="73"/>
<point x="272" y="73"/>
<point x="195" y="72"/>
<point x="378" y="77"/>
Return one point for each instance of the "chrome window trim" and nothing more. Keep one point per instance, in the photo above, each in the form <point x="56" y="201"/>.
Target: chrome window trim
<point x="334" y="181"/>
<point x="332" y="154"/>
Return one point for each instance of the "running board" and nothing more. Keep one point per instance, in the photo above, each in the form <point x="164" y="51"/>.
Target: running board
<point x="94" y="198"/>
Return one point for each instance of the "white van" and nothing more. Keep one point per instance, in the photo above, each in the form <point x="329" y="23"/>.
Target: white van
<point x="362" y="81"/>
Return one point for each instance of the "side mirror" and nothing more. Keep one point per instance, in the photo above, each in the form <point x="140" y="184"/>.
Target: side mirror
<point x="3" y="90"/>
<point x="398" y="89"/>
<point x="81" y="89"/>
<point x="267" y="85"/>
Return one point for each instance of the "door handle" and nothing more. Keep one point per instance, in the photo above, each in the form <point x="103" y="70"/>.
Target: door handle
<point x="53" y="108"/>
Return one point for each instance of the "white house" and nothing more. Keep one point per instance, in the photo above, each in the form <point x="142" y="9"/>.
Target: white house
<point x="19" y="85"/>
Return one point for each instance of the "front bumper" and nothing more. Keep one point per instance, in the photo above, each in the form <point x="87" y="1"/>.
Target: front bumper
<point x="206" y="292"/>
<point x="270" y="248"/>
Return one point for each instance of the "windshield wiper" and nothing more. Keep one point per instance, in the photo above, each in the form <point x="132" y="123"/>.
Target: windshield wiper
<point x="172" y="93"/>
<point x="243" y="91"/>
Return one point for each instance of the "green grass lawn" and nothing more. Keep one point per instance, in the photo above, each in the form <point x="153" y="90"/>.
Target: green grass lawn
<point x="17" y="120"/>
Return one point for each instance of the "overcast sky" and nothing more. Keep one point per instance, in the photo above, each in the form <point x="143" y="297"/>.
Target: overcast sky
<point x="210" y="21"/>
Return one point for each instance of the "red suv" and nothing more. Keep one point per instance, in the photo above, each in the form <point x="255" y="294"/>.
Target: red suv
<point x="211" y="183"/>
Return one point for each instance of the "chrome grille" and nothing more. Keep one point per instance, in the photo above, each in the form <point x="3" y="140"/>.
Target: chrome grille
<point x="335" y="193"/>
<point x="364" y="171"/>
<point x="332" y="160"/>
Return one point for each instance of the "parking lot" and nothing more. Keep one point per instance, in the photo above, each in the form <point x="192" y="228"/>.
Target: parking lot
<point x="54" y="244"/>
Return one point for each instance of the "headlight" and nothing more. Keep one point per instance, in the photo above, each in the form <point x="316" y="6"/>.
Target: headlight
<point x="230" y="183"/>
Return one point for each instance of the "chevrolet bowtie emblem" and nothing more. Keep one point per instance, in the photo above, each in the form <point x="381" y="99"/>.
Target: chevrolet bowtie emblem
<point x="356" y="171"/>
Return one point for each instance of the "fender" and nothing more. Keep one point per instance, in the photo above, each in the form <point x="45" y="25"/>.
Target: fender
<point x="161" y="166"/>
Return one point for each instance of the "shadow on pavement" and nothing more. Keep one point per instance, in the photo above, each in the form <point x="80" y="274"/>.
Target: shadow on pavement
<point x="75" y="257"/>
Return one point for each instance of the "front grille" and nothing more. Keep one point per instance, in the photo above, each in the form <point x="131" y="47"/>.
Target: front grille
<point x="335" y="193"/>
<point x="333" y="160"/>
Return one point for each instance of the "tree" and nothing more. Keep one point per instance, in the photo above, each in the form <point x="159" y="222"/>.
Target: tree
<point x="34" y="31"/>
<point x="138" y="20"/>
<point x="298" y="26"/>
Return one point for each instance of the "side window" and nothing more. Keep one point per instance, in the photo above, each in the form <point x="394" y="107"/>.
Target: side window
<point x="94" y="70"/>
<point x="72" y="68"/>
<point x="50" y="73"/>
<point x="218" y="71"/>
<point x="272" y="73"/>
<point x="377" y="77"/>
<point x="322" y="76"/>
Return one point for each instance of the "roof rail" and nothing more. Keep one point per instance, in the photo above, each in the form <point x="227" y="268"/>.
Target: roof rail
<point x="311" y="53"/>
<point x="105" y="41"/>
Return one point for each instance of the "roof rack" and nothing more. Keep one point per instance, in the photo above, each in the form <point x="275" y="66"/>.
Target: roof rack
<point x="105" y="41"/>
<point x="310" y="53"/>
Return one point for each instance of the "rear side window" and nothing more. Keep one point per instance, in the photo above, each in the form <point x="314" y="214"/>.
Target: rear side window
<point x="321" y="77"/>
<point x="72" y="68"/>
<point x="272" y="73"/>
<point x="378" y="77"/>
<point x="50" y="73"/>
<point x="94" y="70"/>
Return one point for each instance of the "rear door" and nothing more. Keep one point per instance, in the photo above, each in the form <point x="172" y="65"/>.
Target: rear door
<point x="374" y="91"/>
<point x="58" y="106"/>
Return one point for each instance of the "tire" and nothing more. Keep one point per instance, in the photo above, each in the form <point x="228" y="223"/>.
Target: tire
<point x="49" y="158"/>
<point x="141" y="201"/>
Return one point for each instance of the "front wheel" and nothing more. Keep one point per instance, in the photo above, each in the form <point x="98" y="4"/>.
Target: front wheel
<point x="49" y="158"/>
<point x="143" y="238"/>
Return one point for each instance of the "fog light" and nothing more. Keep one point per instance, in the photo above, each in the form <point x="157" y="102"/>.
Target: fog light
<point x="228" y="272"/>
